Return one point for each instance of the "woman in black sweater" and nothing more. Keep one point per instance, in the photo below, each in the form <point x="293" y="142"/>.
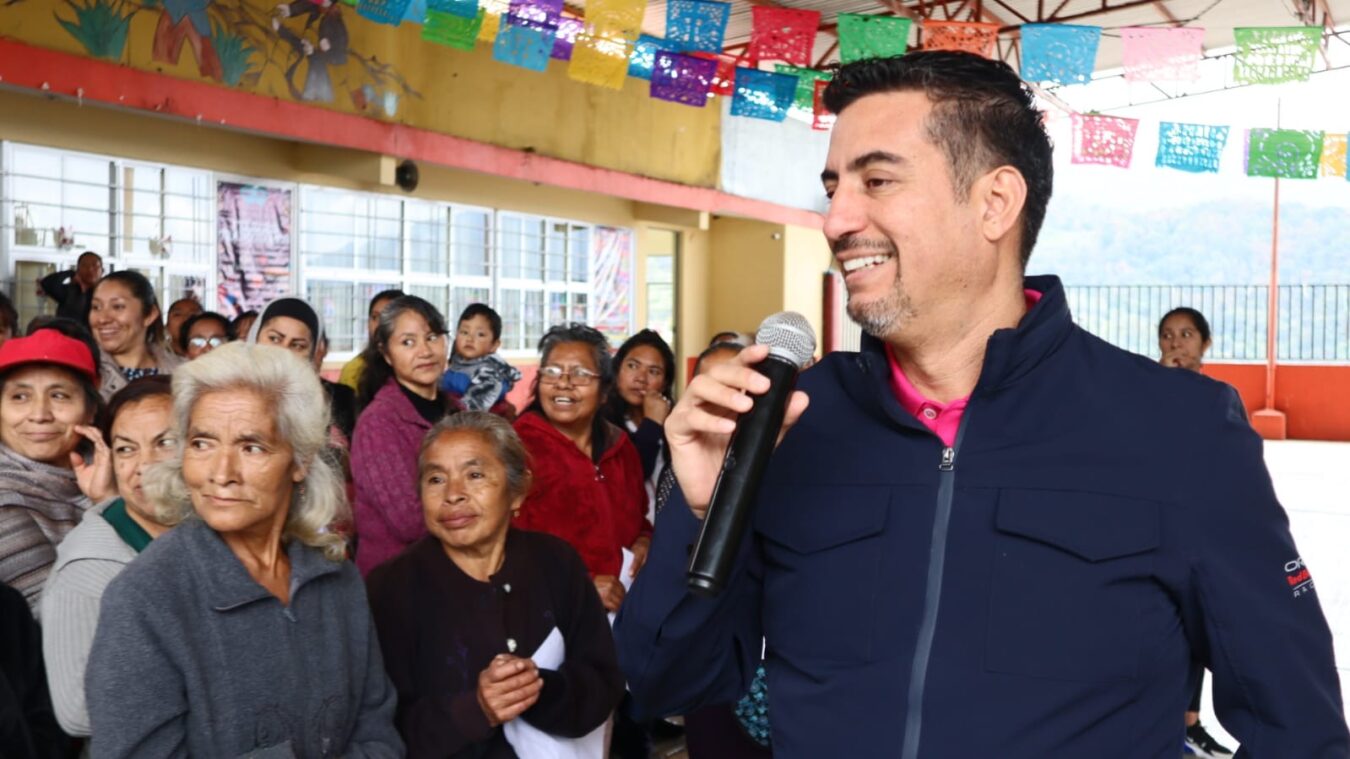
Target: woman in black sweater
<point x="483" y="625"/>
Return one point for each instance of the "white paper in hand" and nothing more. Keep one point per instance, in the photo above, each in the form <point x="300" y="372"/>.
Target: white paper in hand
<point x="530" y="741"/>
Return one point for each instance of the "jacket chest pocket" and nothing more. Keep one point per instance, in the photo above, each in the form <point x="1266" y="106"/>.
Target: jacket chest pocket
<point x="1071" y="578"/>
<point x="822" y="551"/>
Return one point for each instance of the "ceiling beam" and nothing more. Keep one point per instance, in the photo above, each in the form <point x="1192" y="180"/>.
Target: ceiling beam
<point x="1167" y="14"/>
<point x="1103" y="10"/>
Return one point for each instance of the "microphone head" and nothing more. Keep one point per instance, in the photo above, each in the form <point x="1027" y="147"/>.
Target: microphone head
<point x="789" y="337"/>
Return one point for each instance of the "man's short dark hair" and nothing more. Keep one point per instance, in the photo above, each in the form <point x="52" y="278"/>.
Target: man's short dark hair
<point x="85" y="255"/>
<point x="381" y="296"/>
<point x="983" y="117"/>
<point x="494" y="319"/>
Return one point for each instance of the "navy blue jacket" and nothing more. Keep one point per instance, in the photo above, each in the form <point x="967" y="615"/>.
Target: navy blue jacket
<point x="1038" y="590"/>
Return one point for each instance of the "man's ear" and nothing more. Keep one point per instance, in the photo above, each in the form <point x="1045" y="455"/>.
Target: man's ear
<point x="1002" y="194"/>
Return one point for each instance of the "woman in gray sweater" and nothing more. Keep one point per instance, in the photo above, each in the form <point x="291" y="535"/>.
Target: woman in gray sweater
<point x="243" y="631"/>
<point x="139" y="433"/>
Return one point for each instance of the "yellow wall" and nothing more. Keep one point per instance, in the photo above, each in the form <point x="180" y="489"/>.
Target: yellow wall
<point x="806" y="257"/>
<point x="755" y="269"/>
<point x="466" y="94"/>
<point x="746" y="274"/>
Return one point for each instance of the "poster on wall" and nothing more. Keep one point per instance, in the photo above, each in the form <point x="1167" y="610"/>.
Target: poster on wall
<point x="612" y="282"/>
<point x="253" y="246"/>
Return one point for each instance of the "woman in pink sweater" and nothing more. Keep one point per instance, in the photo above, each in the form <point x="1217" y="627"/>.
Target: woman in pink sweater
<point x="403" y="364"/>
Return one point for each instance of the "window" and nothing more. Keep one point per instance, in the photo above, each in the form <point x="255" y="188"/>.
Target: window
<point x="154" y="218"/>
<point x="162" y="220"/>
<point x="533" y="270"/>
<point x="544" y="279"/>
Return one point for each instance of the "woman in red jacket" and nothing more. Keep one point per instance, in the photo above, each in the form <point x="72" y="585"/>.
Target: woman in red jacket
<point x="587" y="476"/>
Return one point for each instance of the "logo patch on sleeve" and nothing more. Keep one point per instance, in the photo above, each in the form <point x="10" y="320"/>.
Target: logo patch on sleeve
<point x="1299" y="578"/>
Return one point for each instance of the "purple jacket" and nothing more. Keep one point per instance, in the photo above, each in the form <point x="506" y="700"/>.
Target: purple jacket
<point x="388" y="509"/>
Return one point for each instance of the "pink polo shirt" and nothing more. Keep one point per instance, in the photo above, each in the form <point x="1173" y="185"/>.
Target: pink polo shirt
<point x="944" y="419"/>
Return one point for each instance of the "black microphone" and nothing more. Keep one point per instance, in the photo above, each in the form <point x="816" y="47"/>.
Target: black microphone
<point x="791" y="345"/>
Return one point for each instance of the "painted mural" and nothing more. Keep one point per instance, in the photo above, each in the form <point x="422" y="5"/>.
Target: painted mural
<point x="337" y="55"/>
<point x="303" y="50"/>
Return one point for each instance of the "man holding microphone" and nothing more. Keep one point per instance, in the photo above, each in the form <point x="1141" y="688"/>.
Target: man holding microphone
<point x="978" y="540"/>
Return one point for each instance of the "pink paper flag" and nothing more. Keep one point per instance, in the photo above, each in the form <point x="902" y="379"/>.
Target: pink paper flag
<point x="1162" y="55"/>
<point x="1103" y="140"/>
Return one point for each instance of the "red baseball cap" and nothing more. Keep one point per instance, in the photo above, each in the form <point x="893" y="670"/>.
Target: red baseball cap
<point x="49" y="346"/>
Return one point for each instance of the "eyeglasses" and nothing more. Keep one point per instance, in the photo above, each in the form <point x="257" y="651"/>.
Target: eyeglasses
<point x="202" y="342"/>
<point x="577" y="375"/>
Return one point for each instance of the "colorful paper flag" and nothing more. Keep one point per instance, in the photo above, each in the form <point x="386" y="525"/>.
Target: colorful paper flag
<point x="415" y="12"/>
<point x="1283" y="153"/>
<point x="1190" y="147"/>
<point x="523" y="47"/>
<point x="1103" y="140"/>
<point x="682" y="78"/>
<point x="1333" y="155"/>
<point x="452" y="30"/>
<point x="696" y="24"/>
<point x="601" y="61"/>
<point x="642" y="62"/>
<point x="805" y="99"/>
<point x="493" y="10"/>
<point x="462" y="8"/>
<point x="615" y="19"/>
<point x="535" y="14"/>
<point x="968" y="36"/>
<point x="1062" y="53"/>
<point x="783" y="34"/>
<point x="1271" y="55"/>
<point x="383" y="11"/>
<point x="566" y="38"/>
<point x="862" y="36"/>
<point x="1161" y="54"/>
<point x="724" y="81"/>
<point x="763" y="95"/>
<point x="487" y="31"/>
<point x="823" y="120"/>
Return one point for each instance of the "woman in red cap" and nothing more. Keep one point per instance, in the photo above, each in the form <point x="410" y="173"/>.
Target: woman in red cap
<point x="48" y="401"/>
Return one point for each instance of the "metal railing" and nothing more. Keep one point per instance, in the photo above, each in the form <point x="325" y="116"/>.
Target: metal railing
<point x="1313" y="326"/>
<point x="1314" y="320"/>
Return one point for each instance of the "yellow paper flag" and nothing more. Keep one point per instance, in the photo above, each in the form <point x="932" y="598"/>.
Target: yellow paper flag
<point x="601" y="61"/>
<point x="493" y="10"/>
<point x="1333" y="155"/>
<point x="620" y="19"/>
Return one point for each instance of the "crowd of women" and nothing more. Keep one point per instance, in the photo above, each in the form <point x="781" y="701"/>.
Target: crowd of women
<point x="187" y="577"/>
<point x="183" y="575"/>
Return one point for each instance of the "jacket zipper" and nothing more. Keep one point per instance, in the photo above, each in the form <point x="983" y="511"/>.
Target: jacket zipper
<point x="937" y="556"/>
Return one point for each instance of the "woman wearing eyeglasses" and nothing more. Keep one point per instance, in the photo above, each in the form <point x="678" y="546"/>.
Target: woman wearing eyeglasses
<point x="202" y="333"/>
<point x="587" y="476"/>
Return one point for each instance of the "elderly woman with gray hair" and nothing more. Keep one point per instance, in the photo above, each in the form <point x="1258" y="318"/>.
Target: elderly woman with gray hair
<point x="494" y="636"/>
<point x="243" y="631"/>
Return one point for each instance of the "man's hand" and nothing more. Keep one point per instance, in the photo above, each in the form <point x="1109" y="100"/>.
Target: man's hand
<point x="507" y="687"/>
<point x="700" y="426"/>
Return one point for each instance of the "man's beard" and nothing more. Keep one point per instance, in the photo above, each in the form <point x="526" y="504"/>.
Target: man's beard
<point x="884" y="317"/>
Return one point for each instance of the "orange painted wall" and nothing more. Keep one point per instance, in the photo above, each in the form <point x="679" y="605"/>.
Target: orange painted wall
<point x="1315" y="398"/>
